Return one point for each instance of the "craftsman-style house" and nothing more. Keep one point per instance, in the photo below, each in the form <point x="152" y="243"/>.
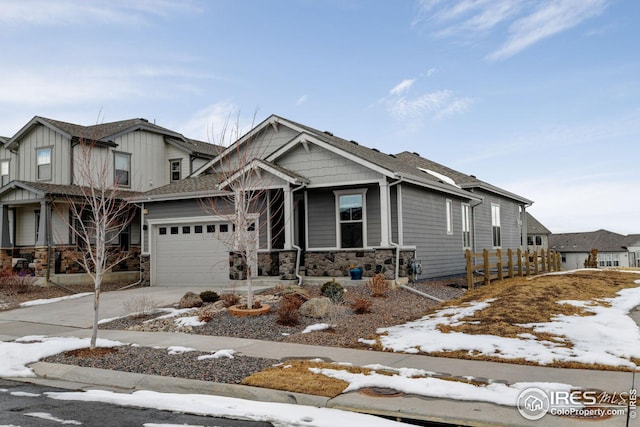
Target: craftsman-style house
<point x="334" y="204"/>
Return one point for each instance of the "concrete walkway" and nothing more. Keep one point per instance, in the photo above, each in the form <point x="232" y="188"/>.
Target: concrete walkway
<point x="73" y="318"/>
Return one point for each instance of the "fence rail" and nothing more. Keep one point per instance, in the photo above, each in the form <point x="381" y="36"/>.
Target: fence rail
<point x="495" y="266"/>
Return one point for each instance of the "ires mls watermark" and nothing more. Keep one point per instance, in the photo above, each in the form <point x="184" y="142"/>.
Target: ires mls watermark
<point x="534" y="403"/>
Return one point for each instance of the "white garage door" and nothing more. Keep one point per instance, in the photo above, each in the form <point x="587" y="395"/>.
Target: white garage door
<point x="191" y="254"/>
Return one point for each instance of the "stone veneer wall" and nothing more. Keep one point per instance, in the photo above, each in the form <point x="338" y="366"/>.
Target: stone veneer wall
<point x="337" y="263"/>
<point x="278" y="263"/>
<point x="145" y="270"/>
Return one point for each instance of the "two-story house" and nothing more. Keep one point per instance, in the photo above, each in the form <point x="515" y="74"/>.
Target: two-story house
<point x="37" y="173"/>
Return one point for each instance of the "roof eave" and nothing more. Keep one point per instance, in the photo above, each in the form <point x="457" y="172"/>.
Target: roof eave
<point x="445" y="188"/>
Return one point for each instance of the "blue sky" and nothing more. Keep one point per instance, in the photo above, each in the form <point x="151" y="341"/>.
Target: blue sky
<point x="540" y="97"/>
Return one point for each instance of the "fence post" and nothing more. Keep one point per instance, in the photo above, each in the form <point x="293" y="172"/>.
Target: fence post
<point x="499" y="263"/>
<point x="551" y="260"/>
<point x="487" y="270"/>
<point x="519" y="252"/>
<point x="558" y="261"/>
<point x="536" y="263"/>
<point x="510" y="264"/>
<point x="543" y="258"/>
<point x="469" y="258"/>
<point x="527" y="255"/>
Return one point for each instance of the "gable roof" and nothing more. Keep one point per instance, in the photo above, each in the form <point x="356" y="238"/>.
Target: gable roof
<point x="602" y="240"/>
<point x="408" y="166"/>
<point x="534" y="226"/>
<point x="105" y="133"/>
<point x="202" y="186"/>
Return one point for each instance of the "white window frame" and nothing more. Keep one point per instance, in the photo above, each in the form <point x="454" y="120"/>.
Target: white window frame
<point x="115" y="169"/>
<point x="39" y="176"/>
<point x="466" y="226"/>
<point x="4" y="171"/>
<point x="171" y="171"/>
<point x="355" y="192"/>
<point x="496" y="239"/>
<point x="449" y="215"/>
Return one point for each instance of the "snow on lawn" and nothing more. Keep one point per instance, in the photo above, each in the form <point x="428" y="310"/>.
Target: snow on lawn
<point x="608" y="337"/>
<point x="18" y="354"/>
<point x="279" y="414"/>
<point x="52" y="300"/>
<point x="168" y="313"/>
<point x="498" y="393"/>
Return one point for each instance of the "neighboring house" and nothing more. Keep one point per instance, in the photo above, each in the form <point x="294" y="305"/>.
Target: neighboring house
<point x="334" y="203"/>
<point x="537" y="234"/>
<point x="632" y="242"/>
<point x="613" y="248"/>
<point x="36" y="167"/>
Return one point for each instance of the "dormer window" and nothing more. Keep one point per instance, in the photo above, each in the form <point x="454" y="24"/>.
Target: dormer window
<point x="43" y="164"/>
<point x="122" y="169"/>
<point x="175" y="170"/>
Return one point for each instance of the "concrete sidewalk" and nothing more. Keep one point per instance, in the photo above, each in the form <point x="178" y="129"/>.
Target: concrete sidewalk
<point x="73" y="318"/>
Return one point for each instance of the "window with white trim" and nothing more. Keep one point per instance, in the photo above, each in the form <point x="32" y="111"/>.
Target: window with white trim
<point x="351" y="219"/>
<point x="495" y="225"/>
<point x="449" y="209"/>
<point x="43" y="163"/>
<point x="466" y="225"/>
<point x="175" y="169"/>
<point x="122" y="169"/>
<point x="4" y="171"/>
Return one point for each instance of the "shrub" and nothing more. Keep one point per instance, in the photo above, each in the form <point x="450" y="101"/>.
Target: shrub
<point x="378" y="285"/>
<point x="288" y="314"/>
<point x="209" y="296"/>
<point x="361" y="306"/>
<point x="333" y="290"/>
<point x="12" y="283"/>
<point x="140" y="306"/>
<point x="230" y="299"/>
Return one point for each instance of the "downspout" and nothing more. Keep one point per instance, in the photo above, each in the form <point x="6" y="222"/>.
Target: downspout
<point x="296" y="247"/>
<point x="391" y="242"/>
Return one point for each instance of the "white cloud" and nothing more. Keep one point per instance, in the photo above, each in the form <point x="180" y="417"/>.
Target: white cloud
<point x="437" y="105"/>
<point x="220" y="123"/>
<point x="301" y="100"/>
<point x="548" y="20"/>
<point x="530" y="22"/>
<point x="80" y="12"/>
<point x="401" y="87"/>
<point x="431" y="72"/>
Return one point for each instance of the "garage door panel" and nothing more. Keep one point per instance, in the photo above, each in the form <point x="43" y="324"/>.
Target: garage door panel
<point x="190" y="259"/>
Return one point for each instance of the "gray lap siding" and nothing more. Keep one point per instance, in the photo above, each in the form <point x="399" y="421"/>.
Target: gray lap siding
<point x="425" y="227"/>
<point x="510" y="229"/>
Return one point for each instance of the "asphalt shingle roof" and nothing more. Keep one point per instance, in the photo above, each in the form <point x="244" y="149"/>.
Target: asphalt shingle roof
<point x="602" y="240"/>
<point x="63" y="190"/>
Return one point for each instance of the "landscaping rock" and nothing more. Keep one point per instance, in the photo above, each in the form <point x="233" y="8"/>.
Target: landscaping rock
<point x="190" y="300"/>
<point x="316" y="308"/>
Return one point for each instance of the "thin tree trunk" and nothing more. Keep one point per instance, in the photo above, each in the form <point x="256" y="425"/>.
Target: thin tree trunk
<point x="96" y="307"/>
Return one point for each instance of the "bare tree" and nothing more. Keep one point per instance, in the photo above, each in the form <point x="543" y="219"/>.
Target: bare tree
<point x="98" y="213"/>
<point x="245" y="199"/>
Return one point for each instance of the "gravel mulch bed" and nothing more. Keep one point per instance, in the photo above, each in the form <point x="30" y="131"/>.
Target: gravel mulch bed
<point x="399" y="306"/>
<point x="158" y="361"/>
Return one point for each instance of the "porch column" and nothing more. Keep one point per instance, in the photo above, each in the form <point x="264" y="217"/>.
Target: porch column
<point x="5" y="240"/>
<point x="384" y="214"/>
<point x="288" y="218"/>
<point x="42" y="225"/>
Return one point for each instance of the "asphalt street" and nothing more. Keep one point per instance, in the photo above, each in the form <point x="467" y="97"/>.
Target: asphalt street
<point x="27" y="405"/>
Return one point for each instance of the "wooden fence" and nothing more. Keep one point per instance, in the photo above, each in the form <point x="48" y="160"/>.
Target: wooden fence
<point x="495" y="266"/>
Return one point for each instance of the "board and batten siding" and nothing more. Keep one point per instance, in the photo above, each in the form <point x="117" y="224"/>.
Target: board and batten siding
<point x="425" y="227"/>
<point x="324" y="167"/>
<point x="147" y="153"/>
<point x="40" y="137"/>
